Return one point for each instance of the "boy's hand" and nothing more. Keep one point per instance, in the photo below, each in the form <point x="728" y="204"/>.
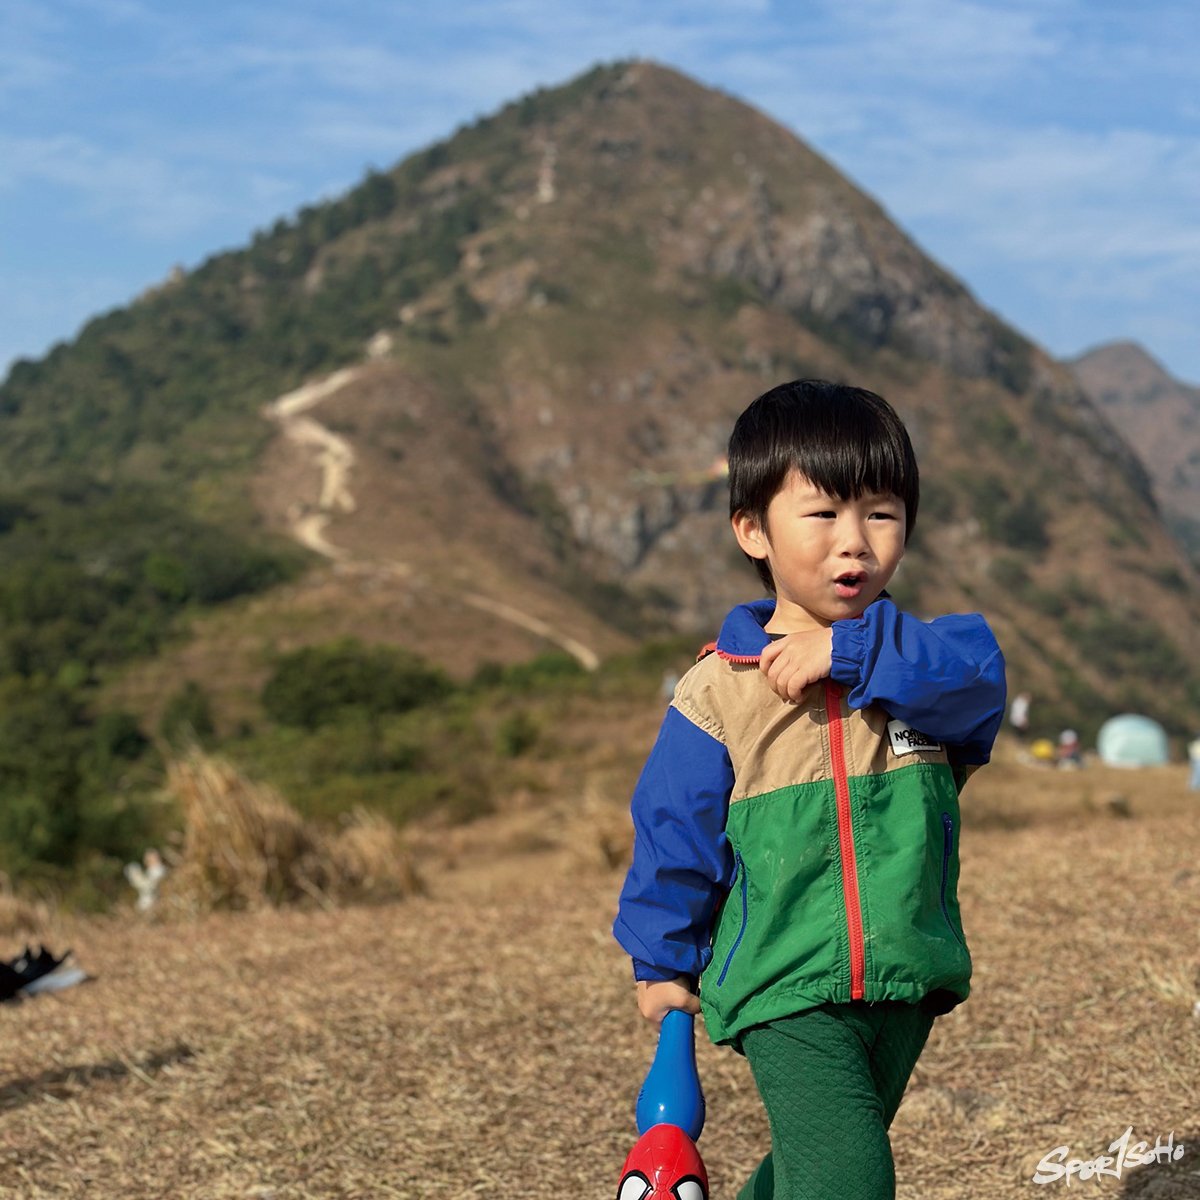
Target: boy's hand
<point x="795" y="662"/>
<point x="655" y="1000"/>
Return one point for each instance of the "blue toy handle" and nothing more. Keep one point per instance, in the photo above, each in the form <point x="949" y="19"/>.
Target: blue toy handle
<point x="671" y="1094"/>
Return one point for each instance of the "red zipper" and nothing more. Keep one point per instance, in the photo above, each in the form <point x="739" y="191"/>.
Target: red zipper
<point x="739" y="658"/>
<point x="841" y="783"/>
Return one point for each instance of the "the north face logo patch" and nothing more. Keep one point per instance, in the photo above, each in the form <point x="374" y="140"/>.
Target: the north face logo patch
<point x="905" y="739"/>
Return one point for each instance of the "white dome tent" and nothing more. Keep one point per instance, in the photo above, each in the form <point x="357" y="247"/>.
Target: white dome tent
<point x="1130" y="740"/>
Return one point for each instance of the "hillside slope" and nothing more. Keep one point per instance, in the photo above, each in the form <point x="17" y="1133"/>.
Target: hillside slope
<point x="561" y="309"/>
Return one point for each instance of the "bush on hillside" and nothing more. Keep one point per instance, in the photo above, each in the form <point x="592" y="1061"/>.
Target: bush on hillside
<point x="1019" y="522"/>
<point x="313" y="686"/>
<point x="533" y="675"/>
<point x="62" y="780"/>
<point x="187" y="717"/>
<point x="517" y="733"/>
<point x="97" y="574"/>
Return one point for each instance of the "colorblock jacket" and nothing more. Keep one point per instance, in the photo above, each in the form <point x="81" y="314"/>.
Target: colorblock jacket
<point x="790" y="855"/>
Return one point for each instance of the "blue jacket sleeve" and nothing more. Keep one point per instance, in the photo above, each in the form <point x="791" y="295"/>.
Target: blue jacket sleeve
<point x="681" y="860"/>
<point x="944" y="677"/>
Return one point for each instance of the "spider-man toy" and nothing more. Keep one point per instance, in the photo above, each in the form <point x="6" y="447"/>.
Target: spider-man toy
<point x="665" y="1164"/>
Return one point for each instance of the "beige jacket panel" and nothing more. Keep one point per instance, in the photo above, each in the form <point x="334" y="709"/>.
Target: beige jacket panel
<point x="774" y="744"/>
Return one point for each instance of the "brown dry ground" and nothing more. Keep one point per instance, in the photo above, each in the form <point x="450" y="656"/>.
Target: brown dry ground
<point x="482" y="1039"/>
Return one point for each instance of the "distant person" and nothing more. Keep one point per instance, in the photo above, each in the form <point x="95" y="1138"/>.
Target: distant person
<point x="832" y="724"/>
<point x="1194" y="760"/>
<point x="1018" y="714"/>
<point x="1069" y="752"/>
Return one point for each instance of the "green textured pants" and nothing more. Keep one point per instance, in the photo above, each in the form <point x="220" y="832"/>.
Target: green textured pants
<point x="831" y="1079"/>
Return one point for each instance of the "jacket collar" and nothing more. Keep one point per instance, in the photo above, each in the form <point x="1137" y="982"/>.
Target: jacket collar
<point x="742" y="637"/>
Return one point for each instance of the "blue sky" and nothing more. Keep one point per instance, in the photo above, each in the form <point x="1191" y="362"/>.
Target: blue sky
<point x="1047" y="152"/>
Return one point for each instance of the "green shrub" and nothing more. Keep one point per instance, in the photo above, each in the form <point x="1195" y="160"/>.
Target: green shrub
<point x="1050" y="603"/>
<point x="311" y="687"/>
<point x="98" y="574"/>
<point x="1009" y="573"/>
<point x="937" y="503"/>
<point x="518" y="733"/>
<point x="1121" y="644"/>
<point x="118" y="737"/>
<point x="63" y="795"/>
<point x="1023" y="525"/>
<point x="188" y="717"/>
<point x="994" y="427"/>
<point x="1018" y="522"/>
<point x="554" y="667"/>
<point x="1170" y="578"/>
<point x="730" y="295"/>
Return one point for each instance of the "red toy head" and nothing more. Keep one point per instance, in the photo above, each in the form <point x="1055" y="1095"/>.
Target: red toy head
<point x="663" y="1165"/>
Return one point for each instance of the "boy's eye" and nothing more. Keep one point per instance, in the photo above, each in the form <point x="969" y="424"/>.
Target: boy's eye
<point x="825" y="513"/>
<point x="887" y="516"/>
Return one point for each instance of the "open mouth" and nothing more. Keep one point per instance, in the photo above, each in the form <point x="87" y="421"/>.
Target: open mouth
<point x="850" y="584"/>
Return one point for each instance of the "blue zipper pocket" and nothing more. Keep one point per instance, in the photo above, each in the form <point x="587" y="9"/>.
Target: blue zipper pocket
<point x="947" y="847"/>
<point x="739" y="873"/>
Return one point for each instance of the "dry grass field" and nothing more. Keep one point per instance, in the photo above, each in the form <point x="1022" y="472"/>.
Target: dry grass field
<point x="481" y="1039"/>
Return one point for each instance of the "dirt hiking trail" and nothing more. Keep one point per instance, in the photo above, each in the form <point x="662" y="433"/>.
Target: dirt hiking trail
<point x="335" y="457"/>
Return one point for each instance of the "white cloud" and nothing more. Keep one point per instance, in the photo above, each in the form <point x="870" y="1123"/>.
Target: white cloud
<point x="27" y="70"/>
<point x="939" y="44"/>
<point x="27" y="62"/>
<point x="1054" y="195"/>
<point x="135" y="192"/>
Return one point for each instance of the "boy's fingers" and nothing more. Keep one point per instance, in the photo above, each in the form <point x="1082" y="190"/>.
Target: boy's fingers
<point x="689" y="1004"/>
<point x="775" y="678"/>
<point x="771" y="652"/>
<point x="780" y="667"/>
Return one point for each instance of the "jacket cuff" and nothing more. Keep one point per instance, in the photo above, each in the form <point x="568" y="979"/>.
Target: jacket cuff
<point x="847" y="651"/>
<point x="645" y="973"/>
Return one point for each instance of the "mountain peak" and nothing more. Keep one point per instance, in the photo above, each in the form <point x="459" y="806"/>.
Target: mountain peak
<point x="1125" y="359"/>
<point x="1160" y="418"/>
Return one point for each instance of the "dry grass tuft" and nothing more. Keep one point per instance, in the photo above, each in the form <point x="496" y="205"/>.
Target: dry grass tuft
<point x="595" y="829"/>
<point x="371" y="860"/>
<point x="246" y="848"/>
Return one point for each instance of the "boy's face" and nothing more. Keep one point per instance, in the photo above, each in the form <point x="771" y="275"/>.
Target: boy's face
<point x="830" y="557"/>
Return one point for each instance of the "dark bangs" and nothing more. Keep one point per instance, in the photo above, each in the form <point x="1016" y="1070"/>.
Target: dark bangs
<point x="847" y="441"/>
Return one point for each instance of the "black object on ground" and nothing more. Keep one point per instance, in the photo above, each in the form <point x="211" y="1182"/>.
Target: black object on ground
<point x="37" y="971"/>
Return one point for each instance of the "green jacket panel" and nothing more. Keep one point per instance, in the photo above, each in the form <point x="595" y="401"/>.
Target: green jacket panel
<point x="781" y="941"/>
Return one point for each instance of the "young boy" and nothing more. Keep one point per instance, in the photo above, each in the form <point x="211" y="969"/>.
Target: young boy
<point x="796" y="850"/>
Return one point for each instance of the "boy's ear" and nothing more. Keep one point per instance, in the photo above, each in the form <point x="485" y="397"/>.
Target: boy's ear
<point x="750" y="534"/>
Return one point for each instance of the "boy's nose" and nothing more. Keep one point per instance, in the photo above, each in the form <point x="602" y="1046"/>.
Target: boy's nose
<point x="853" y="542"/>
